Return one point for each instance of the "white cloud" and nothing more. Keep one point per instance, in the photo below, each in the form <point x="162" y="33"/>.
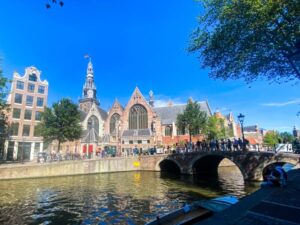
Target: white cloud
<point x="280" y="104"/>
<point x="162" y="101"/>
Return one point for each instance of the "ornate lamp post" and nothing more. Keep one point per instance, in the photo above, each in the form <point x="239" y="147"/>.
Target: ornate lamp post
<point x="241" y="118"/>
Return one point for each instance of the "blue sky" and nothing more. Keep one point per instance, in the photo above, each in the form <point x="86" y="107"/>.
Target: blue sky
<point x="132" y="43"/>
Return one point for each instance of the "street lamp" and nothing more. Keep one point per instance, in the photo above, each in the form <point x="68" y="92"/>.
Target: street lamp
<point x="241" y="118"/>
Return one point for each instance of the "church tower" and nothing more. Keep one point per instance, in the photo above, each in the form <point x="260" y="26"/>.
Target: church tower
<point x="89" y="93"/>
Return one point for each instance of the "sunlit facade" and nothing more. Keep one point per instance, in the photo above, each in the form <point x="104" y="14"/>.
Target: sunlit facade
<point x="27" y="99"/>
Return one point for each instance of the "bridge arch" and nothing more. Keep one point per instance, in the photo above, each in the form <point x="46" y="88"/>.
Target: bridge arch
<point x="280" y="161"/>
<point x="209" y="163"/>
<point x="168" y="165"/>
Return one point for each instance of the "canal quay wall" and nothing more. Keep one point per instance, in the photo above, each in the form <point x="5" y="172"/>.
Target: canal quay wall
<point x="66" y="168"/>
<point x="268" y="205"/>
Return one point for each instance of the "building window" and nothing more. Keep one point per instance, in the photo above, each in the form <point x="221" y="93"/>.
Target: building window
<point x="139" y="141"/>
<point x="20" y="85"/>
<point x="18" y="98"/>
<point x="16" y="113"/>
<point x="27" y="115"/>
<point x="138" y="117"/>
<point x="32" y="77"/>
<point x="39" y="102"/>
<point x="168" y="131"/>
<point x="36" y="148"/>
<point x="38" y="116"/>
<point x="26" y="130"/>
<point x="36" y="132"/>
<point x="93" y="122"/>
<point x="14" y="129"/>
<point x="114" y="123"/>
<point x="130" y="142"/>
<point x="31" y="88"/>
<point x="41" y="89"/>
<point x="29" y="100"/>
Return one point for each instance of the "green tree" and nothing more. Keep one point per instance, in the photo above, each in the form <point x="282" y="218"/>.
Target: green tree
<point x="249" y="39"/>
<point x="61" y="122"/>
<point x="215" y="128"/>
<point x="286" y="137"/>
<point x="192" y="119"/>
<point x="271" y="138"/>
<point x="51" y="3"/>
<point x="4" y="108"/>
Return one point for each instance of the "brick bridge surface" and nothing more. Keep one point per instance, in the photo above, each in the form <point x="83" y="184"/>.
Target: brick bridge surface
<point x="251" y="164"/>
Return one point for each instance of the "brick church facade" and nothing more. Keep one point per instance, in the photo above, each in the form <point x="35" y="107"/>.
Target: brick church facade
<point x="138" y="124"/>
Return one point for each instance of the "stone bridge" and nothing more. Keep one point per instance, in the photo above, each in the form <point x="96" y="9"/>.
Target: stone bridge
<point x="251" y="164"/>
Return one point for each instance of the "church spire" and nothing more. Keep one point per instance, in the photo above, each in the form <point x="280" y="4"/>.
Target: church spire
<point x="90" y="70"/>
<point x="89" y="92"/>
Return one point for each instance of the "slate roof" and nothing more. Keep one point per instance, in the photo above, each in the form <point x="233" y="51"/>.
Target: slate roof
<point x="169" y="114"/>
<point x="82" y="115"/>
<point x="103" y="113"/>
<point x="137" y="133"/>
<point x="253" y="128"/>
<point x="90" y="136"/>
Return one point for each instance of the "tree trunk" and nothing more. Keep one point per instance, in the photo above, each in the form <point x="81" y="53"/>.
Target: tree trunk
<point x="190" y="136"/>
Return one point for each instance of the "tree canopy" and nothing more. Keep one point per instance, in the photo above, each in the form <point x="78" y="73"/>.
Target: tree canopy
<point x="4" y="107"/>
<point x="286" y="137"/>
<point x="193" y="119"/>
<point x="51" y="3"/>
<point x="61" y="122"/>
<point x="249" y="39"/>
<point x="215" y="128"/>
<point x="271" y="138"/>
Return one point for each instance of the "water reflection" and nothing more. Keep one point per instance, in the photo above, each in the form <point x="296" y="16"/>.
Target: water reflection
<point x="116" y="198"/>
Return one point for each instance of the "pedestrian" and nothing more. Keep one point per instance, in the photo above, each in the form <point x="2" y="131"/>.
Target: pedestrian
<point x="276" y="177"/>
<point x="229" y="145"/>
<point x="235" y="145"/>
<point x="240" y="144"/>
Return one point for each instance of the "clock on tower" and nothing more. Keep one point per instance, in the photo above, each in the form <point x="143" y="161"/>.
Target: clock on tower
<point x="90" y="94"/>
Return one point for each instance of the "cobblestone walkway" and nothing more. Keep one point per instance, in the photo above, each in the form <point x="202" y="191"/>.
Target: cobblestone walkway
<point x="269" y="205"/>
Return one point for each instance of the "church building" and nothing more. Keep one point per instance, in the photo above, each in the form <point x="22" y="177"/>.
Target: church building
<point x="137" y="126"/>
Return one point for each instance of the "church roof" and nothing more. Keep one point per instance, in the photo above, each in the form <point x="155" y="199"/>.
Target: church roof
<point x="90" y="136"/>
<point x="82" y="114"/>
<point x="253" y="128"/>
<point x="103" y="113"/>
<point x="168" y="114"/>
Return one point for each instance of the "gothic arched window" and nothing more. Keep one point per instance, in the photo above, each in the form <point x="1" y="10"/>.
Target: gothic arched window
<point x="114" y="123"/>
<point x="168" y="131"/>
<point x="138" y="117"/>
<point x="93" y="122"/>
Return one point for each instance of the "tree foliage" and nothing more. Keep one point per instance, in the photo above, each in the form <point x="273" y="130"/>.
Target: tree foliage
<point x="51" y="3"/>
<point x="286" y="137"/>
<point x="249" y="39"/>
<point x="4" y="107"/>
<point x="193" y="119"/>
<point x="271" y="138"/>
<point x="215" y="128"/>
<point x="61" y="122"/>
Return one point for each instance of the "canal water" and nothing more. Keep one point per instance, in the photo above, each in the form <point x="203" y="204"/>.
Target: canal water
<point x="112" y="198"/>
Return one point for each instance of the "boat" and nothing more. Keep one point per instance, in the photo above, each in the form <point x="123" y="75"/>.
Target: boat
<point x="195" y="212"/>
